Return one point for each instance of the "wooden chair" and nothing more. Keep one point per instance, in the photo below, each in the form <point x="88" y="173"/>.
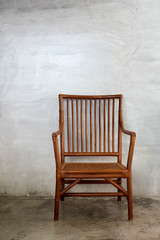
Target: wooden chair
<point x="91" y="126"/>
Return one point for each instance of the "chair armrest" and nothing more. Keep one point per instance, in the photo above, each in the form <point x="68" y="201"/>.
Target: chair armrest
<point x="132" y="137"/>
<point x="132" y="134"/>
<point x="55" y="134"/>
<point x="56" y="147"/>
<point x="131" y="145"/>
<point x="130" y="152"/>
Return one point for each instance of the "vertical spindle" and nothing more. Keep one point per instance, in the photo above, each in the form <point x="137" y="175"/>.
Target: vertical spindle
<point x="104" y="124"/>
<point x="99" y="125"/>
<point x="113" y="126"/>
<point x="72" y="126"/>
<point x="95" y="125"/>
<point x="108" y="125"/>
<point x="77" y="125"/>
<point x="86" y="125"/>
<point x="81" y="125"/>
<point x="68" y="130"/>
<point x="90" y="125"/>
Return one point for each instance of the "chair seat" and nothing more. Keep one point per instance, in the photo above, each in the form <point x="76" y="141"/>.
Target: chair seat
<point x="92" y="168"/>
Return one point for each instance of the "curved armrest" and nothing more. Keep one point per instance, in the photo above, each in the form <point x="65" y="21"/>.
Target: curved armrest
<point x="132" y="134"/>
<point x="132" y="137"/>
<point x="55" y="134"/>
<point x="131" y="146"/>
<point x="56" y="147"/>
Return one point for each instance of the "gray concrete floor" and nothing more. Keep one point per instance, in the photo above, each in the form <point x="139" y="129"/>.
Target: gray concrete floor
<point x="80" y="219"/>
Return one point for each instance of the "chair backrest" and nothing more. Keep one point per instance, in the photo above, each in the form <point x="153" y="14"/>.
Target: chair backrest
<point x="91" y="125"/>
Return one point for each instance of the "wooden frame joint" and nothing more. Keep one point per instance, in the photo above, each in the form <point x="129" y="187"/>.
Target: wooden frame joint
<point x="70" y="186"/>
<point x="117" y="186"/>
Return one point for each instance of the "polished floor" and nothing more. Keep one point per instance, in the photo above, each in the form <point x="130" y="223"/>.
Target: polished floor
<point x="80" y="219"/>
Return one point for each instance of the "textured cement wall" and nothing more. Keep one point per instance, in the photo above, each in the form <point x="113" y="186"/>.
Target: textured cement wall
<point x="81" y="47"/>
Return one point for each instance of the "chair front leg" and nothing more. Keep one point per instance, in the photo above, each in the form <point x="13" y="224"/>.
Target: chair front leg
<point x="130" y="204"/>
<point x="57" y="199"/>
<point x="62" y="188"/>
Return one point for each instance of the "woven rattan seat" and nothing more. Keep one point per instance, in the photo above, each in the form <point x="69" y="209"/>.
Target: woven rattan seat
<point x="92" y="168"/>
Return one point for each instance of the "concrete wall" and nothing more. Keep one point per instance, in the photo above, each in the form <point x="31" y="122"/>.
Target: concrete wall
<point x="80" y="47"/>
